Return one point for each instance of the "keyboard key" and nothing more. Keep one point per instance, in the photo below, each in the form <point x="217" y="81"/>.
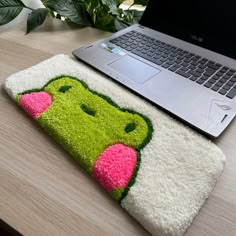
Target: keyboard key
<point x="223" y="80"/>
<point x="170" y="62"/>
<point x="150" y="54"/>
<point x="165" y="55"/>
<point x="215" y="88"/>
<point x="207" y="84"/>
<point x="158" y="62"/>
<point x="195" y="73"/>
<point x="144" y="51"/>
<point x="192" y="54"/>
<point x="177" y="66"/>
<point x="184" y="68"/>
<point x="180" y="57"/>
<point x="226" y="87"/>
<point x="138" y="48"/>
<point x="225" y="68"/>
<point x="216" y="77"/>
<point x="193" y="78"/>
<point x="171" y="58"/>
<point x="200" y="81"/>
<point x="219" y="73"/>
<point x="165" y="65"/>
<point x="192" y="67"/>
<point x="194" y="63"/>
<point x="223" y="91"/>
<point x="177" y="61"/>
<point x="183" y="73"/>
<point x="226" y="76"/>
<point x="213" y="66"/>
<point x="212" y="81"/>
<point x="203" y="61"/>
<point x="173" y="68"/>
<point x="230" y="83"/>
<point x="222" y="70"/>
<point x="205" y="77"/>
<point x="232" y="70"/>
<point x="233" y="79"/>
<point x="196" y="58"/>
<point x="188" y="57"/>
<point x="219" y="84"/>
<point x="163" y="59"/>
<point x="173" y="54"/>
<point x="157" y="56"/>
<point x="200" y="66"/>
<point x="231" y="94"/>
<point x="209" y="72"/>
<point x="229" y="72"/>
<point x="187" y="60"/>
<point x="200" y="70"/>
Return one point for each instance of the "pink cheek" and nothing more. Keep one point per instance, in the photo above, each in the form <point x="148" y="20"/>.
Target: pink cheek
<point x="35" y="103"/>
<point x="115" y="167"/>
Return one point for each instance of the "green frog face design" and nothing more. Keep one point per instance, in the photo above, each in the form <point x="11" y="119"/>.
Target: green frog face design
<point x="103" y="137"/>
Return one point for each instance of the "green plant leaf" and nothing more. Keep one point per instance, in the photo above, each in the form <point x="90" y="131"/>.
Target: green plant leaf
<point x="141" y="2"/>
<point x="36" y="18"/>
<point x="104" y="21"/>
<point x="74" y="10"/>
<point x="92" y="7"/>
<point x="9" y="10"/>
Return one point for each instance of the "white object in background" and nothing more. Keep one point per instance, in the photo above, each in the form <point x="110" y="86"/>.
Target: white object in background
<point x="24" y="13"/>
<point x="36" y="4"/>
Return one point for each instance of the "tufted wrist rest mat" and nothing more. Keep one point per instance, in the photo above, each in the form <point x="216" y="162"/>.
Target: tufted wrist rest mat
<point x="159" y="170"/>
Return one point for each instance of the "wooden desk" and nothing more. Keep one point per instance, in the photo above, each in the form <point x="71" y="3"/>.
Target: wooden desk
<point x="43" y="191"/>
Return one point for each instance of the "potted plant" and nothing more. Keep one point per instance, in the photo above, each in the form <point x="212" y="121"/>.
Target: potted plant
<point x="103" y="14"/>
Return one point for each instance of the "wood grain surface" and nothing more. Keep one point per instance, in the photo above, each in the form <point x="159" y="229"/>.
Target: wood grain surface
<point x="43" y="191"/>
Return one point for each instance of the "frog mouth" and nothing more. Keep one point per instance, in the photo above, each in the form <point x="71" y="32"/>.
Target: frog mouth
<point x="115" y="167"/>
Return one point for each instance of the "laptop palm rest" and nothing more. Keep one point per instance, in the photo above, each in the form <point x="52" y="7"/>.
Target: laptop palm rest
<point x="134" y="69"/>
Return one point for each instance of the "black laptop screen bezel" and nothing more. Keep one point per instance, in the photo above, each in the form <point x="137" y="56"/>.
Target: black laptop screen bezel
<point x="187" y="20"/>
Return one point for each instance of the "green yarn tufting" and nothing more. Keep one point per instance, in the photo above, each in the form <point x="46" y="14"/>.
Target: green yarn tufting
<point x="117" y="193"/>
<point x="132" y="181"/>
<point x="86" y="122"/>
<point x="88" y="110"/>
<point x="64" y="88"/>
<point x="130" y="127"/>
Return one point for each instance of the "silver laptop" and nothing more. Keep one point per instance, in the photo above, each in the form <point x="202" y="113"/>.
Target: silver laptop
<point x="181" y="57"/>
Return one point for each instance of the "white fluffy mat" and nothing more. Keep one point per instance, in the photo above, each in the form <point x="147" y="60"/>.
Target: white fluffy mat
<point x="179" y="167"/>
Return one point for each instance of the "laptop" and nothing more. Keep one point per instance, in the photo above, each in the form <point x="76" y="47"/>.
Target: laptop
<point x="181" y="57"/>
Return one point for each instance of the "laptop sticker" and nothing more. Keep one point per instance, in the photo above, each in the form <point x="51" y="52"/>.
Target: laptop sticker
<point x="112" y="49"/>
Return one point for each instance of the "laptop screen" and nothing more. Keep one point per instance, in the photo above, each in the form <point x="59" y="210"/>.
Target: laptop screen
<point x="207" y="23"/>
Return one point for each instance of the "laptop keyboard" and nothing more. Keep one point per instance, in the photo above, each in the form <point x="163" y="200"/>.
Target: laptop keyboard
<point x="204" y="72"/>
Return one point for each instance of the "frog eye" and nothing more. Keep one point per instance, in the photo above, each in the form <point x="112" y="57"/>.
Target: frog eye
<point x="88" y="110"/>
<point x="64" y="88"/>
<point x="130" y="127"/>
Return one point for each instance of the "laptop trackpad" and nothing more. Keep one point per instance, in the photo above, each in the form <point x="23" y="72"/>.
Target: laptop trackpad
<point x="134" y="69"/>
